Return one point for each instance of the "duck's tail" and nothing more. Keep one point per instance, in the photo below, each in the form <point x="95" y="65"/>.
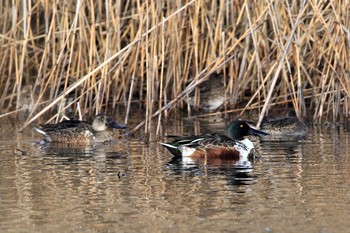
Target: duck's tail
<point x="40" y="131"/>
<point x="173" y="149"/>
<point x="166" y="145"/>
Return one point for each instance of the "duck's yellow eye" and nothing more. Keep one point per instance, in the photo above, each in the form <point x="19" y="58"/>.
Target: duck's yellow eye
<point x="241" y="126"/>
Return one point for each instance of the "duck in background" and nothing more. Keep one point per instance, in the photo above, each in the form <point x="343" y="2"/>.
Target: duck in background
<point x="286" y="126"/>
<point x="212" y="94"/>
<point x="80" y="132"/>
<point x="26" y="102"/>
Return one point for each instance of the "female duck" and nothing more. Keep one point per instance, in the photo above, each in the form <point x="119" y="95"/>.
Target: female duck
<point x="288" y="126"/>
<point x="230" y="146"/>
<point x="80" y="132"/>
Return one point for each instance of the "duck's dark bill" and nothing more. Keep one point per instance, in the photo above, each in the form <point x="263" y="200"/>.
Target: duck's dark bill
<point x="115" y="125"/>
<point x="256" y="132"/>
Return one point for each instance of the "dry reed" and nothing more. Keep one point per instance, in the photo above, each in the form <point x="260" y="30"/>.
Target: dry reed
<point x="103" y="54"/>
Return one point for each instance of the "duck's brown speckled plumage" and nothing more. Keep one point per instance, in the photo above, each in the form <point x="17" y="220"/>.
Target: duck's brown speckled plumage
<point x="80" y="132"/>
<point x="288" y="126"/>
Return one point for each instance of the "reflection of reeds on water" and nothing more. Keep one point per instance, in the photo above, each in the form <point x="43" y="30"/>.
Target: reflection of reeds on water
<point x="102" y="56"/>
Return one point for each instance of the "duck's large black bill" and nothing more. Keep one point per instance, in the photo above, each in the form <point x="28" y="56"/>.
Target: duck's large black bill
<point x="256" y="132"/>
<point x="115" y="125"/>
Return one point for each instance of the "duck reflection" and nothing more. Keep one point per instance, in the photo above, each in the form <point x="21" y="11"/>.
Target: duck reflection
<point x="76" y="151"/>
<point x="237" y="172"/>
<point x="282" y="145"/>
<point x="71" y="150"/>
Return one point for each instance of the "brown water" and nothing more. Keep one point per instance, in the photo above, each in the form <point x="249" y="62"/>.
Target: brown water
<point x="297" y="186"/>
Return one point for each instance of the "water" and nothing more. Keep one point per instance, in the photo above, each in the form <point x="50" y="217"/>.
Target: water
<point x="131" y="186"/>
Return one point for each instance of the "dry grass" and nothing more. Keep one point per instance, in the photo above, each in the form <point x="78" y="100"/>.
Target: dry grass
<point x="103" y="54"/>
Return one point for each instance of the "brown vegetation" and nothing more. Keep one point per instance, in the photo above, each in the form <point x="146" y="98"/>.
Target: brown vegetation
<point x="102" y="54"/>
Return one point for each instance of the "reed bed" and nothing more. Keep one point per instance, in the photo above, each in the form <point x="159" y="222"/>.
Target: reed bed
<point x="117" y="55"/>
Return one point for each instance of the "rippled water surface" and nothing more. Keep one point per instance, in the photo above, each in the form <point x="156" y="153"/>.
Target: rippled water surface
<point x="131" y="186"/>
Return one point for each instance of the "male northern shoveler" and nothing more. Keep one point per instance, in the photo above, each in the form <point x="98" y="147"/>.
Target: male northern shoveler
<point x="288" y="126"/>
<point x="80" y="132"/>
<point x="231" y="146"/>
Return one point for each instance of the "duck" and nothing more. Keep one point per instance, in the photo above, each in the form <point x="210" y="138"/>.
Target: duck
<point x="285" y="126"/>
<point x="80" y="132"/>
<point x="212" y="94"/>
<point x="229" y="146"/>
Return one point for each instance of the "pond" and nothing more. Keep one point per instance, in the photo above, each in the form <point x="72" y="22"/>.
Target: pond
<point x="297" y="185"/>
